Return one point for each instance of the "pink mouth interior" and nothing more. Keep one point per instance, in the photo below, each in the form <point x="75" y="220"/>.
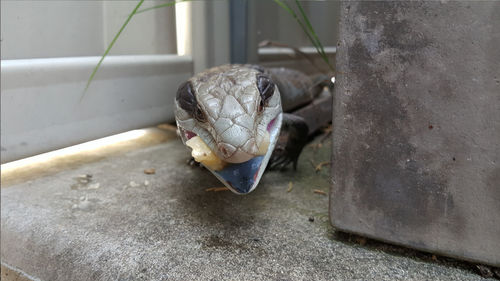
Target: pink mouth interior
<point x="189" y="134"/>
<point x="271" y="125"/>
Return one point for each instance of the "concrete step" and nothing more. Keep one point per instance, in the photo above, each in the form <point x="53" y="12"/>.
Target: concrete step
<point x="120" y="223"/>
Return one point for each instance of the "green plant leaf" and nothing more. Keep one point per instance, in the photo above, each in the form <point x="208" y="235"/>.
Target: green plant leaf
<point x="111" y="46"/>
<point x="317" y="42"/>
<point x="287" y="8"/>
<point x="307" y="28"/>
<point x="168" y="4"/>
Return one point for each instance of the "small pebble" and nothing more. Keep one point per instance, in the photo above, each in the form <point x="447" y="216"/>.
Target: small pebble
<point x="150" y="171"/>
<point x="146" y="183"/>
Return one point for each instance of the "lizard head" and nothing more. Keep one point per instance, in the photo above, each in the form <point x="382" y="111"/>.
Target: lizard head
<point x="234" y="109"/>
<point x="231" y="108"/>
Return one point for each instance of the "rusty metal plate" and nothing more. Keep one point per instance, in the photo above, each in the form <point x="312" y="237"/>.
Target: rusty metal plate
<point x="416" y="155"/>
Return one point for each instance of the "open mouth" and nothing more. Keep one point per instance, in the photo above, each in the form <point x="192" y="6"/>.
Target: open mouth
<point x="241" y="178"/>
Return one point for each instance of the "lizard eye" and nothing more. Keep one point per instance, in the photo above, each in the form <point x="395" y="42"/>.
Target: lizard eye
<point x="199" y="115"/>
<point x="266" y="90"/>
<point x="187" y="101"/>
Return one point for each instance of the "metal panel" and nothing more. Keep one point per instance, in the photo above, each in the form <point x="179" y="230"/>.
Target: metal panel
<point x="417" y="126"/>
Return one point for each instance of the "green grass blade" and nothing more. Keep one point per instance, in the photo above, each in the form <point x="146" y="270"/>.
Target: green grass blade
<point x="317" y="42"/>
<point x="285" y="7"/>
<point x="168" y="4"/>
<point x="310" y="29"/>
<point x="111" y="45"/>
<point x="294" y="15"/>
<point x="307" y="23"/>
<point x="307" y="28"/>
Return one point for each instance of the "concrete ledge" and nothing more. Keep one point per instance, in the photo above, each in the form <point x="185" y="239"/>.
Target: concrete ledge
<point x="123" y="224"/>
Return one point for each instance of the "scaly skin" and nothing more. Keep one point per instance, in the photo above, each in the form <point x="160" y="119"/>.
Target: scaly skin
<point x="236" y="113"/>
<point x="233" y="126"/>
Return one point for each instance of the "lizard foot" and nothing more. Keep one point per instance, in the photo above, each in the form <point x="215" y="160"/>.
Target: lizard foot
<point x="292" y="139"/>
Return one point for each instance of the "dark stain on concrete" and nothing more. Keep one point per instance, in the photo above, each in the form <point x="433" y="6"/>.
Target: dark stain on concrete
<point x="214" y="241"/>
<point x="230" y="244"/>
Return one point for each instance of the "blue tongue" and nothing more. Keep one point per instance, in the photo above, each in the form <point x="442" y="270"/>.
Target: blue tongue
<point x="241" y="177"/>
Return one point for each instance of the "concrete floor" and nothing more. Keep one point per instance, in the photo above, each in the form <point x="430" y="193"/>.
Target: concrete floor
<point x="124" y="224"/>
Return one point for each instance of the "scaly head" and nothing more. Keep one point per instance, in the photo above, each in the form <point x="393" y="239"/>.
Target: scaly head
<point x="234" y="109"/>
<point x="231" y="108"/>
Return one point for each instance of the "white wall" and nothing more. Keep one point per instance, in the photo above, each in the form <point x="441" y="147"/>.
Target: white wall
<point x="49" y="49"/>
<point x="45" y="29"/>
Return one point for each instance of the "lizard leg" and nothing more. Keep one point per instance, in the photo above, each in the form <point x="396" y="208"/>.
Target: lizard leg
<point x="292" y="139"/>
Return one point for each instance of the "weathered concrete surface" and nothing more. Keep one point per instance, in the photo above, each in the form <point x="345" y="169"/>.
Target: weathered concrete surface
<point x="417" y="125"/>
<point x="55" y="228"/>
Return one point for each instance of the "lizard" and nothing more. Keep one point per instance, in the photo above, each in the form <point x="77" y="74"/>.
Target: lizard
<point x="236" y="113"/>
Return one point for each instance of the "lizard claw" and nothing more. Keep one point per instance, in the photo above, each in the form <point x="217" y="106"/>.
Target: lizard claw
<point x="292" y="139"/>
<point x="282" y="163"/>
<point x="279" y="161"/>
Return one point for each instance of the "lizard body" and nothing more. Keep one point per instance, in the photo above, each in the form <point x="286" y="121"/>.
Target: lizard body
<point x="236" y="110"/>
